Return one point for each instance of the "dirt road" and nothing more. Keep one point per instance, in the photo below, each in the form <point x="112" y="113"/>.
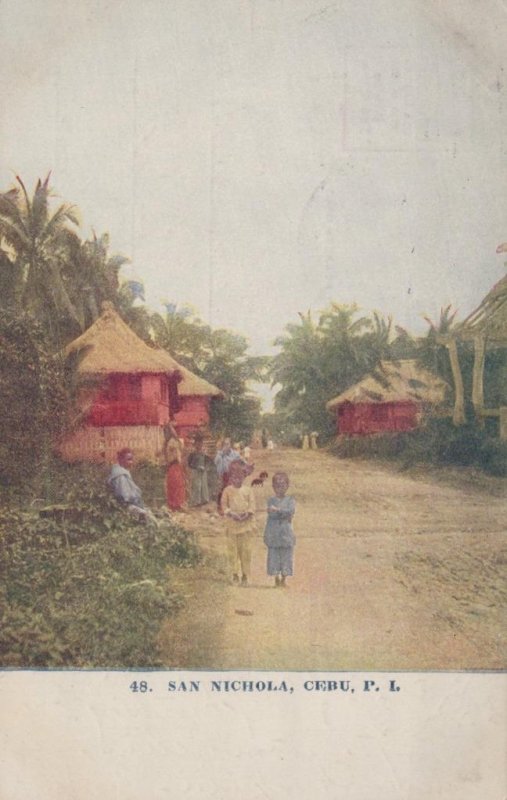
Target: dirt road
<point x="391" y="573"/>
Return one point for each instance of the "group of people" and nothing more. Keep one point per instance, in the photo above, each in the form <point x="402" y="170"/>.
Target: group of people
<point x="238" y="506"/>
<point x="309" y="440"/>
<point x="193" y="486"/>
<point x="236" y="502"/>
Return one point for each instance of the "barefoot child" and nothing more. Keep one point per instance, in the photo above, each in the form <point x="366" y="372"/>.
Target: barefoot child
<point x="238" y="507"/>
<point x="278" y="534"/>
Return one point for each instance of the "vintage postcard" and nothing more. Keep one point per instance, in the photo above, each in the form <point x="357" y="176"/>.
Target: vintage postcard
<point x="253" y="377"/>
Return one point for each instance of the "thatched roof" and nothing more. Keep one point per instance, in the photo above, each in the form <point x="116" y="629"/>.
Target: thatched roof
<point x="394" y="382"/>
<point x="193" y="384"/>
<point x="110" y="346"/>
<point x="489" y="318"/>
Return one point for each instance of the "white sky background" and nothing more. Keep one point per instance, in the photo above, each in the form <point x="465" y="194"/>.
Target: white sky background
<point x="259" y="158"/>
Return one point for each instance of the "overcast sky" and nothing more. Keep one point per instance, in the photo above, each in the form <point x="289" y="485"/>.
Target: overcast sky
<point x="256" y="159"/>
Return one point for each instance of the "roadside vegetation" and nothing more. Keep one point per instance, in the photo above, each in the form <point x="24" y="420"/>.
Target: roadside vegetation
<point x="438" y="442"/>
<point x="84" y="585"/>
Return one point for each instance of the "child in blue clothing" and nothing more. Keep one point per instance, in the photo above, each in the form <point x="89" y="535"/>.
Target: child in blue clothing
<point x="278" y="534"/>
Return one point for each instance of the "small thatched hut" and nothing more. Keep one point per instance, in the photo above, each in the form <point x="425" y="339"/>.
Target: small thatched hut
<point x="195" y="396"/>
<point x="391" y="398"/>
<point x="129" y="392"/>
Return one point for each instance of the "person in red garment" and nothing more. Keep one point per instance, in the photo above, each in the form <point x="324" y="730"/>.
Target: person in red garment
<point x="175" y="483"/>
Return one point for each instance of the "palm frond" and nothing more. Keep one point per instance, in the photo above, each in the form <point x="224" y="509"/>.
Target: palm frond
<point x="9" y="208"/>
<point x="40" y="206"/>
<point x="57" y="223"/>
<point x="25" y="195"/>
<point x="14" y="233"/>
<point x="116" y="262"/>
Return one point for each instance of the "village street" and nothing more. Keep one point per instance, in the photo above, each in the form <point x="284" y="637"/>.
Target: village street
<point x="392" y="573"/>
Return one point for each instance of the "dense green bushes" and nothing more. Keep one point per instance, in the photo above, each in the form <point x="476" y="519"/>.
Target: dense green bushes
<point x="437" y="442"/>
<point x="85" y="585"/>
<point x="35" y="397"/>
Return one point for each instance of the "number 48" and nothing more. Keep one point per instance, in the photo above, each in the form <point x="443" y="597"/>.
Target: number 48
<point x="139" y="686"/>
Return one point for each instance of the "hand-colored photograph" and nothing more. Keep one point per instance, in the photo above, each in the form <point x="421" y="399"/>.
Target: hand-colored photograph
<point x="253" y="336"/>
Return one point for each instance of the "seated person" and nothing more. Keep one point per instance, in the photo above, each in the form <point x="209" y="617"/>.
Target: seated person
<point x="121" y="483"/>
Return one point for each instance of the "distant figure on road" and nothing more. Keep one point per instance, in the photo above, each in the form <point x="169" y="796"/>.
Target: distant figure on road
<point x="271" y="444"/>
<point x="306" y="442"/>
<point x="264" y="438"/>
<point x="313" y="440"/>
<point x="278" y="535"/>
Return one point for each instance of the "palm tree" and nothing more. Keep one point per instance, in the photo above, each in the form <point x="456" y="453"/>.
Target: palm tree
<point x="182" y="334"/>
<point x="300" y="368"/>
<point x="139" y="318"/>
<point x="92" y="276"/>
<point x="445" y="322"/>
<point x="297" y="367"/>
<point x="318" y="361"/>
<point x="40" y="241"/>
<point x="432" y="354"/>
<point x="350" y="348"/>
<point x="382" y="329"/>
<point x="10" y="280"/>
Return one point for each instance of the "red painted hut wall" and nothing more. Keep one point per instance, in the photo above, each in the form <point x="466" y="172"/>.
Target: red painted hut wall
<point x="194" y="412"/>
<point x="362" y="419"/>
<point x="131" y="400"/>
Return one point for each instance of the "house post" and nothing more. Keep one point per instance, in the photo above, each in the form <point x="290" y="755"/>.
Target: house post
<point x="458" y="416"/>
<point x="478" y="378"/>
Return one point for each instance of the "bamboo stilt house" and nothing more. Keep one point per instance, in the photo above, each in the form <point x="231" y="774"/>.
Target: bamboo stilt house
<point x="195" y="395"/>
<point x="393" y="397"/>
<point x="486" y="327"/>
<point x="128" y="392"/>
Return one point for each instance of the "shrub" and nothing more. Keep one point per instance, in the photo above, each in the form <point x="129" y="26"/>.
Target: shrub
<point x="34" y="397"/>
<point x="86" y="586"/>
<point x="437" y="442"/>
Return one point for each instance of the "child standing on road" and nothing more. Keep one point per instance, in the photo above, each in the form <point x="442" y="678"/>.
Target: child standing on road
<point x="238" y="507"/>
<point x="278" y="534"/>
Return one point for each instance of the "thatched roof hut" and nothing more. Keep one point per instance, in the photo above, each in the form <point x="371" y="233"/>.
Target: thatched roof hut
<point x="395" y="381"/>
<point x="133" y="393"/>
<point x="110" y="346"/>
<point x="390" y="398"/>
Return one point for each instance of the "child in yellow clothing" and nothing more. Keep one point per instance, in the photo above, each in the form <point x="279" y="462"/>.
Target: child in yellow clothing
<point x="238" y="507"/>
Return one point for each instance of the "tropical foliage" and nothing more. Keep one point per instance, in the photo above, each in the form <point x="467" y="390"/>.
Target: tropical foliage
<point x="438" y="442"/>
<point x="36" y="397"/>
<point x="433" y="354"/>
<point x="93" y="276"/>
<point x="221" y="357"/>
<point x="318" y="360"/>
<point x="38" y="243"/>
